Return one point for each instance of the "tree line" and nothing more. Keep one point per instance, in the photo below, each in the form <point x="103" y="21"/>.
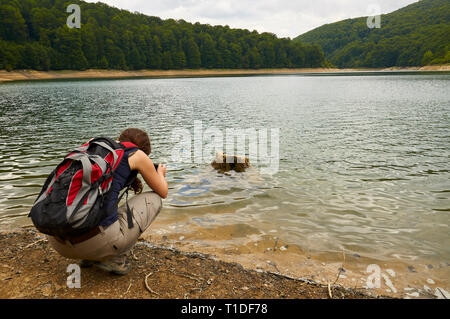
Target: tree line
<point x="34" y="35"/>
<point x="416" y="35"/>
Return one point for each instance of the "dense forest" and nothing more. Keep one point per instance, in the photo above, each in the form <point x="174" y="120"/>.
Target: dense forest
<point x="416" y="35"/>
<point x="34" y="35"/>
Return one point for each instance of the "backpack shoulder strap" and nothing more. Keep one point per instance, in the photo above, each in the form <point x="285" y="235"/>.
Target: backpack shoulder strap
<point x="110" y="145"/>
<point x="107" y="143"/>
<point x="128" y="145"/>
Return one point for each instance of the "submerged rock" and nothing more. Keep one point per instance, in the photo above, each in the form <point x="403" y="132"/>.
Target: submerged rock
<point x="225" y="163"/>
<point x="430" y="281"/>
<point x="411" y="269"/>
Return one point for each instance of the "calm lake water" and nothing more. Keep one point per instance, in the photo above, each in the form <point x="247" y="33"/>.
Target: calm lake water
<point x="364" y="160"/>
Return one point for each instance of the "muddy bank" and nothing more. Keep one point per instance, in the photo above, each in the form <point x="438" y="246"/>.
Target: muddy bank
<point x="269" y="251"/>
<point x="26" y="75"/>
<point x="30" y="268"/>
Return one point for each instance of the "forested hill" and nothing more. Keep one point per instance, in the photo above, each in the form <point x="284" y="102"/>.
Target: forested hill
<point x="416" y="35"/>
<point x="34" y="35"/>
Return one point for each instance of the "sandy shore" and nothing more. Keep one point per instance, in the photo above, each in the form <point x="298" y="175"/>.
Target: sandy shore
<point x="30" y="268"/>
<point x="26" y="75"/>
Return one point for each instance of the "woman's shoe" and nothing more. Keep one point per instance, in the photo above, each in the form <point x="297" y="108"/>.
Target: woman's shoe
<point x="118" y="265"/>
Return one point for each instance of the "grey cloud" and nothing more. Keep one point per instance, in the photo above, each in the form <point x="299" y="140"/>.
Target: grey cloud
<point x="286" y="18"/>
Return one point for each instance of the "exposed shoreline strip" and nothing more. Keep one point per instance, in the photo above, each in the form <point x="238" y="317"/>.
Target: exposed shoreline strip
<point x="27" y="75"/>
<point x="30" y="268"/>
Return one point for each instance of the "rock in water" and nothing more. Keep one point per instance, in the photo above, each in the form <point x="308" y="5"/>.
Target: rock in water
<point x="225" y="163"/>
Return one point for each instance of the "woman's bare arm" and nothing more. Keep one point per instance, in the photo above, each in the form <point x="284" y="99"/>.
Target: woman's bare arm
<point x="156" y="180"/>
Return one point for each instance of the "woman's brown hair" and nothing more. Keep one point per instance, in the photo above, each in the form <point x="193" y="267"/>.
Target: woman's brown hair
<point x="139" y="138"/>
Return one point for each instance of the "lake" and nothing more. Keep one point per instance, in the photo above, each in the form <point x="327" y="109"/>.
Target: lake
<point x="363" y="159"/>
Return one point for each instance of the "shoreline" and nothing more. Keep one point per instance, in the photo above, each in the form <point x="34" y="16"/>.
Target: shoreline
<point x="271" y="252"/>
<point x="29" y="75"/>
<point x="30" y="268"/>
<point x="268" y="255"/>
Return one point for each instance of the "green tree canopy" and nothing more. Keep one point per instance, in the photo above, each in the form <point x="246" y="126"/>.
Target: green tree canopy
<point x="33" y="34"/>
<point x="416" y="35"/>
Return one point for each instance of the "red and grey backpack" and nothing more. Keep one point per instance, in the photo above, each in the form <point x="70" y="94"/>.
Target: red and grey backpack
<point x="74" y="197"/>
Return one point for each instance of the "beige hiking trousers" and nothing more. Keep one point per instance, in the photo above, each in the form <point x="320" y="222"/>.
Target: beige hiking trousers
<point x="117" y="238"/>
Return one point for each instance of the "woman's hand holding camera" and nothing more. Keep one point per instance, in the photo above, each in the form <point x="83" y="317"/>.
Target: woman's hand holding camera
<point x="162" y="170"/>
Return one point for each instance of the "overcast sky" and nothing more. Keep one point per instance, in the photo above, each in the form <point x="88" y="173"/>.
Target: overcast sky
<point x="285" y="18"/>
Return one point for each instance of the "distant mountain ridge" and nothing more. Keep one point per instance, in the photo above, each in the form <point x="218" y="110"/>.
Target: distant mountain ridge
<point x="416" y="35"/>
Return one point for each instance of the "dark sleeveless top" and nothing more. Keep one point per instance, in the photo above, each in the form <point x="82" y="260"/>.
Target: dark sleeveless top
<point x="122" y="176"/>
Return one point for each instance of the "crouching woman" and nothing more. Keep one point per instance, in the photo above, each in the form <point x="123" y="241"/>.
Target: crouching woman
<point x="107" y="245"/>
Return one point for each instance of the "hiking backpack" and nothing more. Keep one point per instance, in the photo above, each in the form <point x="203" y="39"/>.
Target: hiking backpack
<point x="73" y="199"/>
